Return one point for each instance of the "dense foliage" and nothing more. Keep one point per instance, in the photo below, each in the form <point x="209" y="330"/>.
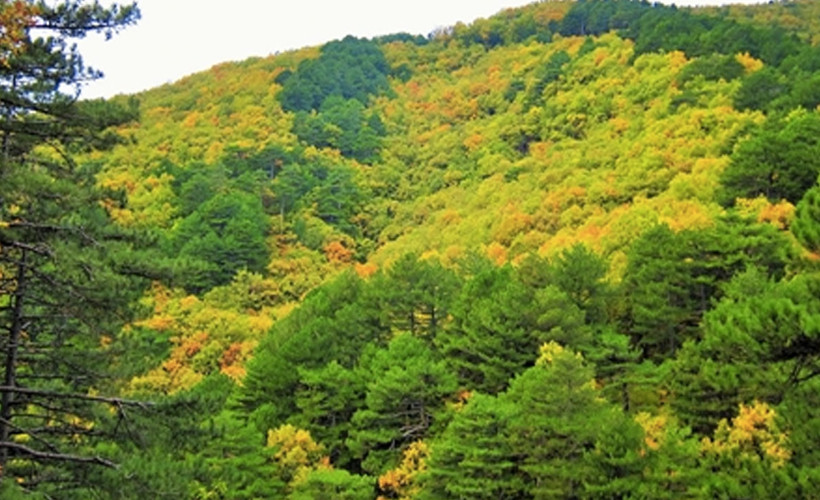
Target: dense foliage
<point x="569" y="251"/>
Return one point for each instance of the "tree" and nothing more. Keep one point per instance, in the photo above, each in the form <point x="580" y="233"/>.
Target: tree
<point x="333" y="483"/>
<point x="491" y="337"/>
<point x="334" y="323"/>
<point x="65" y="272"/>
<point x="225" y="235"/>
<point x="472" y="457"/>
<point x="327" y="399"/>
<point x="672" y="278"/>
<point x="408" y="389"/>
<point x="415" y="295"/>
<point x="780" y="161"/>
<point x="806" y="225"/>
<point x="580" y="273"/>
<point x="761" y="342"/>
<point x="567" y="440"/>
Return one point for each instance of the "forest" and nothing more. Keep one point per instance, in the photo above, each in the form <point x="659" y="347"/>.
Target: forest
<point x="571" y="250"/>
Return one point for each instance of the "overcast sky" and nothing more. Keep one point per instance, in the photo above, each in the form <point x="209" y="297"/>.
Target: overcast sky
<point x="175" y="38"/>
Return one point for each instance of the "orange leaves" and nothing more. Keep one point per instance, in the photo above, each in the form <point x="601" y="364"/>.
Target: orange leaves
<point x="365" y="270"/>
<point x="512" y="224"/>
<point x="337" y="253"/>
<point x="16" y="17"/>
<point x="779" y="214"/>
<point x="544" y="12"/>
<point x="192" y="345"/>
<point x="473" y="142"/>
<point x="497" y="253"/>
<point x="191" y="120"/>
<point x="216" y="333"/>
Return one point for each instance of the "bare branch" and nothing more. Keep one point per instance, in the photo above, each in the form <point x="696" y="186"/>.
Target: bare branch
<point x="60" y="457"/>
<point x="84" y="397"/>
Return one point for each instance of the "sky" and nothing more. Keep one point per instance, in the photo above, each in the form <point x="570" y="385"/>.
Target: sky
<point x="176" y="38"/>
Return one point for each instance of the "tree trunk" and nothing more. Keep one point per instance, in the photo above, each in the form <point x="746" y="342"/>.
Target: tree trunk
<point x="12" y="348"/>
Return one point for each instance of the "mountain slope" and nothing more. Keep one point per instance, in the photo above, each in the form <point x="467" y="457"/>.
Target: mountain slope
<point x="575" y="210"/>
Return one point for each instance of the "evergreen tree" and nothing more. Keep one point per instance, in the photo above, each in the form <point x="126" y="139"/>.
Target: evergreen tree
<point x="415" y="295"/>
<point x="66" y="272"/>
<point x="326" y="399"/>
<point x="806" y="224"/>
<point x="558" y="421"/>
<point x="781" y="161"/>
<point x="673" y="278"/>
<point x="759" y="343"/>
<point x="408" y="389"/>
<point x="473" y="457"/>
<point x="491" y="337"/>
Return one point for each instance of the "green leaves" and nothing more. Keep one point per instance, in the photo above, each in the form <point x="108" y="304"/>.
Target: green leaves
<point x="780" y="161"/>
<point x="473" y="457"/>
<point x="806" y="224"/>
<point x="350" y="68"/>
<point x="407" y="390"/>
<point x="672" y="278"/>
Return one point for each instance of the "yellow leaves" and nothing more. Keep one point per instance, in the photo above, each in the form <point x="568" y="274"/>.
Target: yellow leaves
<point x="550" y="351"/>
<point x="259" y="324"/>
<point x="654" y="427"/>
<point x="599" y="56"/>
<point x="188" y="303"/>
<point x="296" y="452"/>
<point x="294" y="445"/>
<point x="779" y="214"/>
<point x="401" y="482"/>
<point x="21" y="438"/>
<point x="450" y="217"/>
<point x="191" y="119"/>
<point x="159" y="323"/>
<point x="748" y="62"/>
<point x="212" y="334"/>
<point x="685" y="214"/>
<point x="619" y="124"/>
<point x="677" y="60"/>
<point x="753" y="434"/>
<point x="547" y="352"/>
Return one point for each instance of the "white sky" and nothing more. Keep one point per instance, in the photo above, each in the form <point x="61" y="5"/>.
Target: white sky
<point x="175" y="38"/>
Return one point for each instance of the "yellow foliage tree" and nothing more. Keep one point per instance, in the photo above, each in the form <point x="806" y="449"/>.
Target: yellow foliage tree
<point x="401" y="482"/>
<point x="752" y="435"/>
<point x="296" y="453"/>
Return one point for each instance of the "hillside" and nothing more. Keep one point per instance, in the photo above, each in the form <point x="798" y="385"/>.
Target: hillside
<point x="567" y="251"/>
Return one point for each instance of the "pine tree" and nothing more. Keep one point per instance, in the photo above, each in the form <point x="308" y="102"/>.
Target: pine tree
<point x="65" y="271"/>
<point x="408" y="389"/>
<point x="473" y="458"/>
<point x="806" y="225"/>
